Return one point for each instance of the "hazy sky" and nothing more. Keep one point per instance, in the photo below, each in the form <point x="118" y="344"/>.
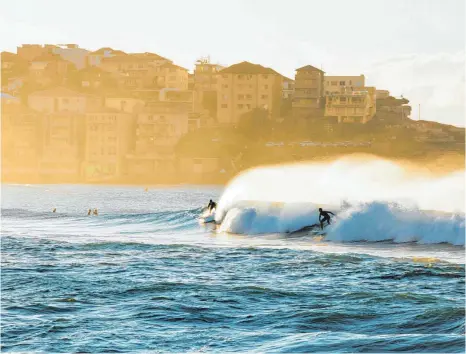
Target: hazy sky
<point x="411" y="47"/>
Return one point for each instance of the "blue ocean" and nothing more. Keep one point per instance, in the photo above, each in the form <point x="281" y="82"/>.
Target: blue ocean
<point x="145" y="275"/>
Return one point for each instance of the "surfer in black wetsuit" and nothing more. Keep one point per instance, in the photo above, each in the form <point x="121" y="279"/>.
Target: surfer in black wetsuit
<point x="323" y="216"/>
<point x="212" y="205"/>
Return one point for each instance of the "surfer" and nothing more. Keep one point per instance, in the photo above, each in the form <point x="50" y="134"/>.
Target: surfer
<point x="323" y="216"/>
<point x="212" y="205"/>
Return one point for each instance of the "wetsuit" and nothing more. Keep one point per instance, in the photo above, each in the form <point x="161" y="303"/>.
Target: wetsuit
<point x="212" y="205"/>
<point x="323" y="216"/>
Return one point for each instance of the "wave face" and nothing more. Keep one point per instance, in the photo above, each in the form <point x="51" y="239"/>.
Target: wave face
<point x="374" y="201"/>
<point x="371" y="222"/>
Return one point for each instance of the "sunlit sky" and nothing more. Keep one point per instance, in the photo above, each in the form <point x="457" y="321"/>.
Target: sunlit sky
<point x="414" y="48"/>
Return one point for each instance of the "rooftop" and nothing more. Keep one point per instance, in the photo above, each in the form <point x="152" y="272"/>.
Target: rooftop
<point x="108" y="49"/>
<point x="171" y="65"/>
<point x="149" y="55"/>
<point x="309" y="68"/>
<point x="246" y="67"/>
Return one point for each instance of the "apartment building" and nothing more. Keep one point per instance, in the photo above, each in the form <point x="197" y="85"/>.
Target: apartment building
<point x="20" y="138"/>
<point x="62" y="146"/>
<point x="31" y="51"/>
<point x="124" y="103"/>
<point x="287" y="88"/>
<point x="357" y="105"/>
<point x="308" y="92"/>
<point x="49" y="68"/>
<point x="245" y="86"/>
<point x="62" y="99"/>
<point x="169" y="75"/>
<point x="158" y="129"/>
<point x="205" y="86"/>
<point x="382" y="94"/>
<point x="108" y="139"/>
<point x="337" y="84"/>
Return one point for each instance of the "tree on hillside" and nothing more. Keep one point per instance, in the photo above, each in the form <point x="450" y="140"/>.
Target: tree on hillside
<point x="255" y="124"/>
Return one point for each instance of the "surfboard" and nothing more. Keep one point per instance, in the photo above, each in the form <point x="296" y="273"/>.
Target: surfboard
<point x="207" y="217"/>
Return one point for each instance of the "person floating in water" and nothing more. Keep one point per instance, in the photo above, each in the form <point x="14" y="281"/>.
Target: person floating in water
<point x="323" y="216"/>
<point x="89" y="212"/>
<point x="54" y="210"/>
<point x="212" y="205"/>
<point x="96" y="212"/>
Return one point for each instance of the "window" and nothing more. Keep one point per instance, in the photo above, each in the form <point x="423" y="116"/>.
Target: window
<point x="334" y="83"/>
<point x="172" y="70"/>
<point x="249" y="97"/>
<point x="342" y="99"/>
<point x="240" y="97"/>
<point x="224" y="105"/>
<point x="225" y="76"/>
<point x="265" y="77"/>
<point x="150" y="118"/>
<point x="224" y="86"/>
<point x="240" y="77"/>
<point x="264" y="97"/>
<point x="342" y="83"/>
<point x="240" y="106"/>
<point x="248" y="106"/>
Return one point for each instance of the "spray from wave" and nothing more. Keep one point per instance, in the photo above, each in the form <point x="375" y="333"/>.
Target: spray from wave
<point x="374" y="199"/>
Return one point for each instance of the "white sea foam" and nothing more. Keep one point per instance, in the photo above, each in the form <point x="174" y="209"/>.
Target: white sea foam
<point x="374" y="200"/>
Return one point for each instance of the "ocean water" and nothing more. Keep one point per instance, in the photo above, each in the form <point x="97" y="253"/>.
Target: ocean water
<point x="144" y="275"/>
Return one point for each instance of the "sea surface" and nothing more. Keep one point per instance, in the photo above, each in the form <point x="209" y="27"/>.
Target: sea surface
<point x="144" y="275"/>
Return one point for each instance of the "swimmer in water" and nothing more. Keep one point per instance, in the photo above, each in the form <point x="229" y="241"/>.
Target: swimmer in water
<point x="95" y="212"/>
<point x="54" y="210"/>
<point x="89" y="212"/>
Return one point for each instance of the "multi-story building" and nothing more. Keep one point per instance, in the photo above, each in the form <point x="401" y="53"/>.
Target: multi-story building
<point x="169" y="75"/>
<point x="287" y="88"/>
<point x="20" y="142"/>
<point x="108" y="138"/>
<point x="61" y="99"/>
<point x="355" y="105"/>
<point x="382" y="94"/>
<point x="205" y="86"/>
<point x="93" y="78"/>
<point x="12" y="65"/>
<point x="49" y="68"/>
<point x="158" y="129"/>
<point x="337" y="84"/>
<point x="245" y="86"/>
<point x="31" y="51"/>
<point x="62" y="146"/>
<point x="124" y="103"/>
<point x="308" y="92"/>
